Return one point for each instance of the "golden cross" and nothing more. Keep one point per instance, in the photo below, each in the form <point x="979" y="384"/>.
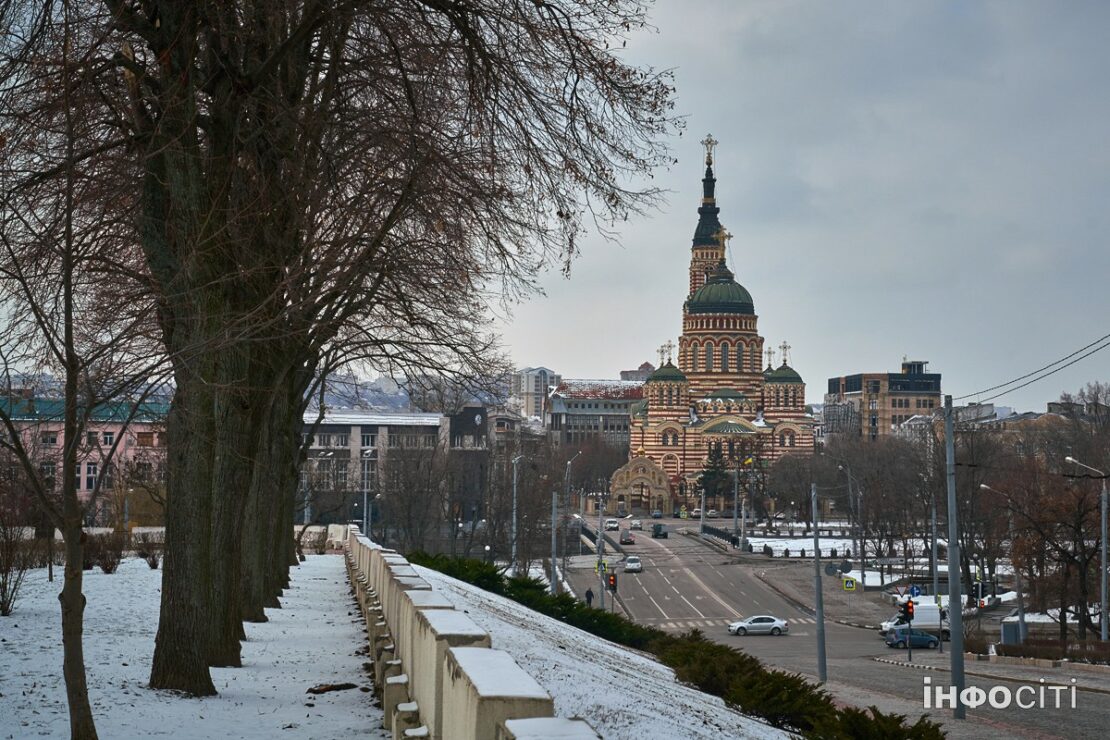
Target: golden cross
<point x="709" y="142"/>
<point x="785" y="348"/>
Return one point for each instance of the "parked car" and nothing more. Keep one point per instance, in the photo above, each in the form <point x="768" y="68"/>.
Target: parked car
<point x="916" y="638"/>
<point x="696" y="513"/>
<point x="657" y="514"/>
<point x="636" y="524"/>
<point x="712" y="514"/>
<point x="726" y="513"/>
<point x="627" y="538"/>
<point x="760" y="625"/>
<point x="632" y="564"/>
<point x="659" y="531"/>
<point x="612" y="525"/>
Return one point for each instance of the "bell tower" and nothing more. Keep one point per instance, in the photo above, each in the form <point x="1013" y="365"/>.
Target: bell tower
<point x="709" y="237"/>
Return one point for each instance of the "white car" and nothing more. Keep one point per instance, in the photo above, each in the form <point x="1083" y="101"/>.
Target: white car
<point x="635" y="524"/>
<point x="761" y="625"/>
<point x="612" y="525"/>
<point x="632" y="564"/>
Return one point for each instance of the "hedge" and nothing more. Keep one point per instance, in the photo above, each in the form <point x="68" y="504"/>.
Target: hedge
<point x="784" y="700"/>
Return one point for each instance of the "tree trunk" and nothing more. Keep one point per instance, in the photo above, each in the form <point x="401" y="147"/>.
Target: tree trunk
<point x="179" y="648"/>
<point x="81" y="723"/>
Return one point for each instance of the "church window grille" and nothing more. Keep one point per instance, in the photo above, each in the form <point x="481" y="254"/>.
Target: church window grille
<point x="740" y="358"/>
<point x="694" y="358"/>
<point x="709" y="357"/>
<point x="725" y="350"/>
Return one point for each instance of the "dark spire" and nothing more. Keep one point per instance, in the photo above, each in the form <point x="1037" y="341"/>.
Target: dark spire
<point x="708" y="226"/>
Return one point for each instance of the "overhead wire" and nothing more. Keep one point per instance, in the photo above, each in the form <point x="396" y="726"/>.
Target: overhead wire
<point x="1102" y="341"/>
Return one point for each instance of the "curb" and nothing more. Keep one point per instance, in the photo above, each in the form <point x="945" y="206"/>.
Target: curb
<point x="918" y="666"/>
<point x="856" y="624"/>
<point x="804" y="607"/>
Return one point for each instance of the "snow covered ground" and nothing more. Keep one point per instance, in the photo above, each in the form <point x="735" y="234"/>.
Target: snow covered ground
<point x="621" y="692"/>
<point x="310" y="641"/>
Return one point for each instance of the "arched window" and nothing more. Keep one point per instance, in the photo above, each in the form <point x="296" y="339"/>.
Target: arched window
<point x="790" y="439"/>
<point x="740" y="358"/>
<point x="753" y="353"/>
<point x="709" y="357"/>
<point x="694" y="357"/>
<point x="725" y="350"/>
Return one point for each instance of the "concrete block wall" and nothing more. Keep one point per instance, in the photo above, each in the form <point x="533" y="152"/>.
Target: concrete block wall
<point x="433" y="662"/>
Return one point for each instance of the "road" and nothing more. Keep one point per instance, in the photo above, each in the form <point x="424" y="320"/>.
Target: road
<point x="687" y="584"/>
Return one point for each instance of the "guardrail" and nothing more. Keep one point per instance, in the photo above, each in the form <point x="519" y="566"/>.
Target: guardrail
<point x="433" y="662"/>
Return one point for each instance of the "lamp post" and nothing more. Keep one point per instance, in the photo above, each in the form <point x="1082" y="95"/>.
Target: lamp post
<point x="1017" y="570"/>
<point x="566" y="506"/>
<point x="512" y="532"/>
<point x="1102" y="606"/>
<point x="858" y="500"/>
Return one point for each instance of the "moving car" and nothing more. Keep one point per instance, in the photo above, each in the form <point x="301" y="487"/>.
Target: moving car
<point x="659" y="531"/>
<point x="627" y="538"/>
<point x="657" y="514"/>
<point x="760" y="625"/>
<point x="632" y="564"/>
<point x="712" y="514"/>
<point x="636" y="524"/>
<point x="696" y="513"/>
<point x="928" y="617"/>
<point x="916" y="638"/>
<point x="612" y="525"/>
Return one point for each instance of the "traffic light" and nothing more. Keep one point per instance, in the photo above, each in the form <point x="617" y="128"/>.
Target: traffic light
<point x="909" y="610"/>
<point x="613" y="582"/>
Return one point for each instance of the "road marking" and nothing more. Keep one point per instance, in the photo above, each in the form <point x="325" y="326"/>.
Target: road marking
<point x="705" y="588"/>
<point x="692" y="606"/>
<point x="658" y="607"/>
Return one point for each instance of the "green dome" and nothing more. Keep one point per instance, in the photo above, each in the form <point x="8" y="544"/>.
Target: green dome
<point x="727" y="394"/>
<point x="667" y="372"/>
<point x="785" y="374"/>
<point x="721" y="294"/>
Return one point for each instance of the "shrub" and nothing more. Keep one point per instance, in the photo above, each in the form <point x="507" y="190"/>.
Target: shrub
<point x="148" y="549"/>
<point x="90" y="551"/>
<point x="768" y="551"/>
<point x="786" y="552"/>
<point x="15" y="558"/>
<point x="109" y="551"/>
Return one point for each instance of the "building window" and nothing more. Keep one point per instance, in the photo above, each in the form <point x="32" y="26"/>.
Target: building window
<point x="740" y="358"/>
<point x="369" y="474"/>
<point x="323" y="440"/>
<point x="725" y="349"/>
<point x="369" y="440"/>
<point x="753" y="354"/>
<point x="48" y="470"/>
<point x="694" y="357"/>
<point x="109" y="473"/>
<point x="109" y="438"/>
<point x="90" y="476"/>
<point x="91" y="438"/>
<point x="709" y="358"/>
<point x="49" y="438"/>
<point x="145" y="439"/>
<point x="341" y="475"/>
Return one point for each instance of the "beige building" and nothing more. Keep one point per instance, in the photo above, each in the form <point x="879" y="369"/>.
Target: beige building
<point x="874" y="404"/>
<point x="528" y="389"/>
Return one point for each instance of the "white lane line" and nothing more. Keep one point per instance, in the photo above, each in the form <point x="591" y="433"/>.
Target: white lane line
<point x="698" y="611"/>
<point x="731" y="609"/>
<point x="658" y="607"/>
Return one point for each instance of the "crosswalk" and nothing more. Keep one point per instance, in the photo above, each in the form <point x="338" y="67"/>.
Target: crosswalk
<point x="688" y="624"/>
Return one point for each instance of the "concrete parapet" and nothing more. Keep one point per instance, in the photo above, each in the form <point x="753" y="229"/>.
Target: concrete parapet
<point x="394" y="692"/>
<point x="406" y="716"/>
<point x="482" y="688"/>
<point x="546" y="728"/>
<point x="435" y="631"/>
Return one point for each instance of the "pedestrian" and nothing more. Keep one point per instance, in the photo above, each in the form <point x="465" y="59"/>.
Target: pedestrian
<point x="589" y="597"/>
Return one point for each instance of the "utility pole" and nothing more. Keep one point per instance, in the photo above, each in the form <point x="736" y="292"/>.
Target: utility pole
<point x="512" y="533"/>
<point x="955" y="598"/>
<point x="822" y="673"/>
<point x="566" y="508"/>
<point x="701" y="528"/>
<point x="735" y="506"/>
<point x="554" y="589"/>
<point x="599" y="545"/>
<point x="936" y="568"/>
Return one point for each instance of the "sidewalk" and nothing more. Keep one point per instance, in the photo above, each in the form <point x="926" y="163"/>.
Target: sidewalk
<point x="930" y="660"/>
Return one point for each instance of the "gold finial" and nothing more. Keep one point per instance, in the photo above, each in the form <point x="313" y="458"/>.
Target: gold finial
<point x="709" y="142"/>
<point x="785" y="348"/>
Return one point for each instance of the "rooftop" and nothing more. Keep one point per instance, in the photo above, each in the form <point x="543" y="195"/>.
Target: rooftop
<point x="600" y="388"/>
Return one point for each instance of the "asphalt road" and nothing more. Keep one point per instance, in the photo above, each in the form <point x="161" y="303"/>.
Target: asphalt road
<point x="688" y="584"/>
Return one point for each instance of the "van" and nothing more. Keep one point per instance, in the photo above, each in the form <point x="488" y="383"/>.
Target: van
<point x="926" y="616"/>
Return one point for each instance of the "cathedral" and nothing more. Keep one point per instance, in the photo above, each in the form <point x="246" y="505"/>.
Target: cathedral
<point x="719" y="394"/>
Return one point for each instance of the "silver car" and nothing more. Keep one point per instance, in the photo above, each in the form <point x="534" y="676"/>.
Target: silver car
<point x="632" y="564"/>
<point x="761" y="625"/>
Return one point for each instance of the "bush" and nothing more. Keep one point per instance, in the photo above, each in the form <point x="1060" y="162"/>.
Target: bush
<point x="1048" y="649"/>
<point x="147" y="548"/>
<point x="109" y="551"/>
<point x="976" y="642"/>
<point x="15" y="559"/>
<point x="786" y="552"/>
<point x="768" y="551"/>
<point x="90" y="551"/>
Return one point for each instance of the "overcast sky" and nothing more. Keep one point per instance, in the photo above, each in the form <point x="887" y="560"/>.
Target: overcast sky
<point x="901" y="179"/>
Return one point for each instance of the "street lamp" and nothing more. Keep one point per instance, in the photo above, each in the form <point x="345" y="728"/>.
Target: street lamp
<point x="1102" y="605"/>
<point x="858" y="499"/>
<point x="512" y="533"/>
<point x="1017" y="570"/>
<point x="554" y="515"/>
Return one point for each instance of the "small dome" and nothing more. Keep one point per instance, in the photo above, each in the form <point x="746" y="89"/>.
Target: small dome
<point x="784" y="374"/>
<point x="667" y="372"/>
<point x="721" y="294"/>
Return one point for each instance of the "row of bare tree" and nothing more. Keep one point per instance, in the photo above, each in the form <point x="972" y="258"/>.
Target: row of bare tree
<point x="1037" y="510"/>
<point x="246" y="196"/>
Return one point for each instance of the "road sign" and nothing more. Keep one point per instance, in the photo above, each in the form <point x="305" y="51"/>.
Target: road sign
<point x="915" y="591"/>
<point x="600" y="567"/>
<point x="849" y="584"/>
<point x="831" y="569"/>
<point x="845" y="566"/>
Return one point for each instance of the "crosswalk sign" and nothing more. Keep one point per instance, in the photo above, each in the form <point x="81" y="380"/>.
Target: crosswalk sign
<point x="849" y="584"/>
<point x="600" y="567"/>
